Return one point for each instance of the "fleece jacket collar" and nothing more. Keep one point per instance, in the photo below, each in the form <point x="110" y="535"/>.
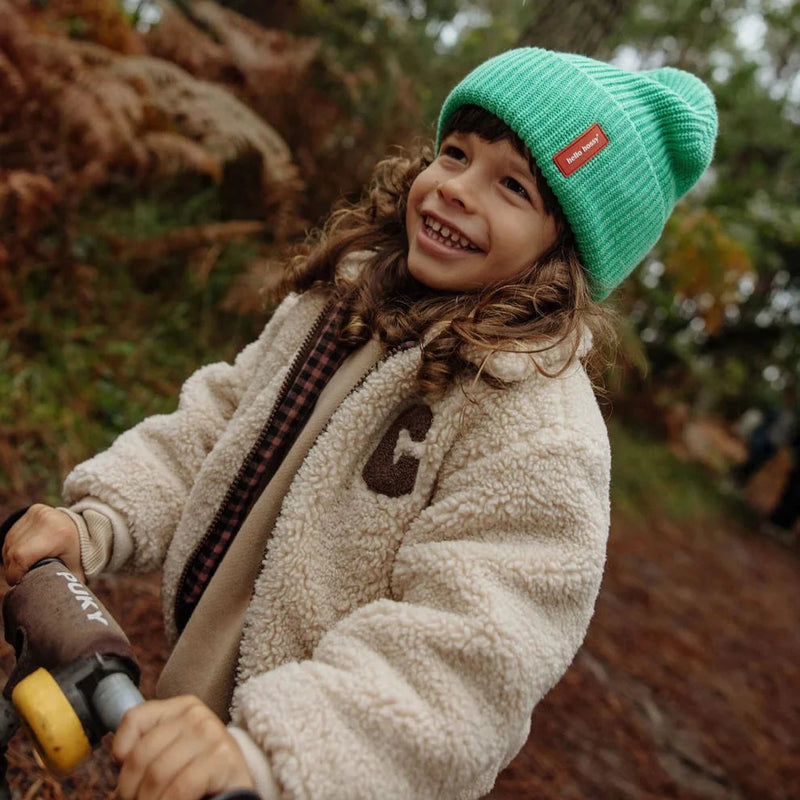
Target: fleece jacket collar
<point x="523" y="359"/>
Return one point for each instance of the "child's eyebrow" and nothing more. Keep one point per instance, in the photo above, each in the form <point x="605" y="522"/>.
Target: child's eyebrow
<point x="522" y="162"/>
<point x="522" y="167"/>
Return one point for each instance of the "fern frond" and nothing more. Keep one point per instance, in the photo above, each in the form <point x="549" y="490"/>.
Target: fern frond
<point x="270" y="59"/>
<point x="224" y="126"/>
<point x="88" y="126"/>
<point x="103" y="22"/>
<point x="25" y="199"/>
<point x="177" y="40"/>
<point x="171" y="153"/>
<point x="86" y="112"/>
<point x="11" y="82"/>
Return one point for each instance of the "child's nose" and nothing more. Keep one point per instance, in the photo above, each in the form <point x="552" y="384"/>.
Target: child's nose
<point x="458" y="190"/>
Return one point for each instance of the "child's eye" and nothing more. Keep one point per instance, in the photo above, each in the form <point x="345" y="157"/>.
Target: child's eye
<point x="453" y="152"/>
<point x="516" y="187"/>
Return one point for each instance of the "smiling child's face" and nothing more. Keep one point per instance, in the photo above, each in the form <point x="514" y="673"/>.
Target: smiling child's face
<point x="475" y="216"/>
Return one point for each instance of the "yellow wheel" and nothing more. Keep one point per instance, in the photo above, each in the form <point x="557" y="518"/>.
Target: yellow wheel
<point x="56" y="728"/>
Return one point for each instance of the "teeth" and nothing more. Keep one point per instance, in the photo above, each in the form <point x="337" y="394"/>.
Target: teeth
<point x="446" y="236"/>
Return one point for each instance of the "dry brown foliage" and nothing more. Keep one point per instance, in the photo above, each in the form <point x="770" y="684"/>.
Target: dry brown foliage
<point x="280" y="76"/>
<point x="100" y="21"/>
<point x="25" y="198"/>
<point x="220" y="45"/>
<point x="324" y="108"/>
<point x="75" y="113"/>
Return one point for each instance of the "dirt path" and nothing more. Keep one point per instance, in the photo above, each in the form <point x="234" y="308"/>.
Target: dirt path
<point x="688" y="685"/>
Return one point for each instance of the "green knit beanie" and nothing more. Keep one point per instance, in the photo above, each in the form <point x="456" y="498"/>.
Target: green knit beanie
<point x="617" y="148"/>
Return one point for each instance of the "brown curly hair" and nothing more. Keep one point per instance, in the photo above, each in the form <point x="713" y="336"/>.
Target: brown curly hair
<point x="548" y="304"/>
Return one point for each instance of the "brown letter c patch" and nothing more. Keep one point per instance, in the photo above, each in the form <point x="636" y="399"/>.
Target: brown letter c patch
<point x="395" y="478"/>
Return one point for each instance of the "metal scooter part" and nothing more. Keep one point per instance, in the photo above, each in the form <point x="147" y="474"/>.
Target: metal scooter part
<point x="70" y="715"/>
<point x="115" y="695"/>
<point x="73" y="702"/>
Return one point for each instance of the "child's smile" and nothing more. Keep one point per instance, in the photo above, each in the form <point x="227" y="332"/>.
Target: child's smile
<point x="447" y="234"/>
<point x="475" y="216"/>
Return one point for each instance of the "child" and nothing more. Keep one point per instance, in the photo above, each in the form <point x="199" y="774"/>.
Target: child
<point x="382" y="529"/>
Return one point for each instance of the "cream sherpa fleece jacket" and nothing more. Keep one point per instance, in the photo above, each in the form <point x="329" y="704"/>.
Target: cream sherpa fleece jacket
<point x="430" y="577"/>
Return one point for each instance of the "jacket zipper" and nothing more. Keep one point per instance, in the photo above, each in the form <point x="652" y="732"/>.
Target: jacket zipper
<point x="392" y="351"/>
<point x="294" y="368"/>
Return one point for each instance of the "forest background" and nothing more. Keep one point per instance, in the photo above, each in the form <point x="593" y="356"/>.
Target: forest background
<point x="156" y="158"/>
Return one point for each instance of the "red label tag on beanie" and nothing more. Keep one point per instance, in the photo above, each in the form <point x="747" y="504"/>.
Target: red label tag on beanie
<point x="581" y="151"/>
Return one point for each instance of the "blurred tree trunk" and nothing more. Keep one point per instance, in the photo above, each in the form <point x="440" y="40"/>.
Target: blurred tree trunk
<point x="581" y="27"/>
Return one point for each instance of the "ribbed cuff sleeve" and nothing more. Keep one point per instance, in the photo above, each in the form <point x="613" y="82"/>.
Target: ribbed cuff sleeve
<point x="96" y="539"/>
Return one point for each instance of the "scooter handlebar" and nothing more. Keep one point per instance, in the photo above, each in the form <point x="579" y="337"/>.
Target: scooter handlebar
<point x="83" y="703"/>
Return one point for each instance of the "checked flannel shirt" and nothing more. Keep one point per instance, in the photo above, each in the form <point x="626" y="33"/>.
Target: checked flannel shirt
<point x="324" y="354"/>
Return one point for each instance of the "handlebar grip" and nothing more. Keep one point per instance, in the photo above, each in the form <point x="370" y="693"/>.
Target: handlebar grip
<point x="38" y="698"/>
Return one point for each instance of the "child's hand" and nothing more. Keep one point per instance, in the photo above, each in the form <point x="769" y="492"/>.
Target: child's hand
<point x="177" y="749"/>
<point x="42" y="532"/>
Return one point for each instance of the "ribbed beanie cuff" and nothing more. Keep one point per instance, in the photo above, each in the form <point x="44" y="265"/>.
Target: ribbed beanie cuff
<point x="618" y="148"/>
